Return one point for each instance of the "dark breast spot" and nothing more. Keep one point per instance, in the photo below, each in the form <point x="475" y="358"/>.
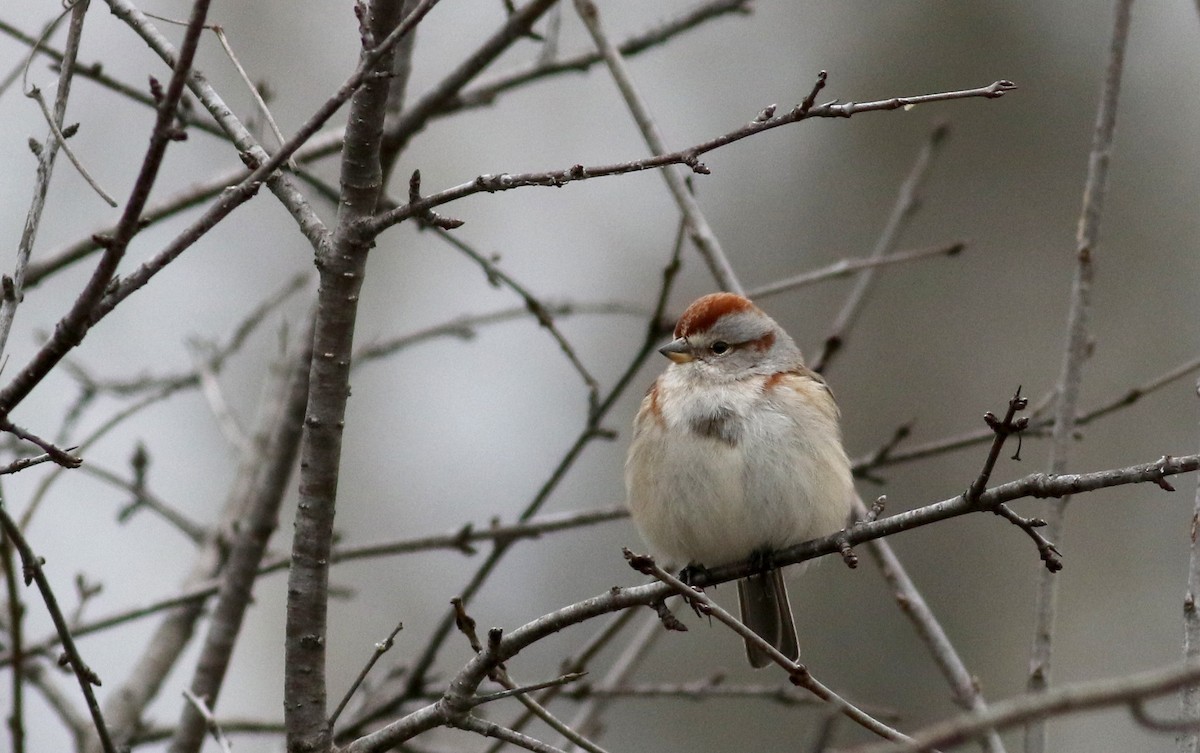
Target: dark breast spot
<point x="722" y="425"/>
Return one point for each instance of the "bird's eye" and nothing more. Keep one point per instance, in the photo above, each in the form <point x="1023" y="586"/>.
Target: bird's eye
<point x="720" y="347"/>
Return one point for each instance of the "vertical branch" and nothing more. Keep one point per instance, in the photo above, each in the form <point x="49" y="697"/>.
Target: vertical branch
<point x="1189" y="696"/>
<point x="16" y="645"/>
<point x="341" y="276"/>
<point x="1073" y="357"/>
<point x="288" y="396"/>
<point x="11" y="297"/>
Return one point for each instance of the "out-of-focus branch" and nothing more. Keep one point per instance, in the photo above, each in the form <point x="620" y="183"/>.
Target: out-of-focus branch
<point x="1040" y="705"/>
<point x="888" y="454"/>
<point x="539" y="310"/>
<point x="73" y="326"/>
<point x="257" y="483"/>
<point x="592" y="430"/>
<point x="251" y="151"/>
<point x="507" y="646"/>
<point x="634" y="652"/>
<point x="1074" y="354"/>
<point x="14" y="287"/>
<point x="32" y="567"/>
<point x="403" y="128"/>
<point x="1189" y="695"/>
<point x="847" y="267"/>
<point x="701" y="233"/>
<point x="486" y="92"/>
<point x="285" y="415"/>
<point x="798" y="674"/>
<point x="967" y="692"/>
<point x="902" y="211"/>
<point x="462" y="540"/>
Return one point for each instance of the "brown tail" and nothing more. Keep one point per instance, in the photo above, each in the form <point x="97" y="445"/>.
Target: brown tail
<point x="763" y="599"/>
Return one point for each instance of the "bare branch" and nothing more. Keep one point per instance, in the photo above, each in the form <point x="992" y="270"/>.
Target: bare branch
<point x="539" y="310"/>
<point x="1189" y="695"/>
<point x="73" y="326"/>
<point x="847" y="267"/>
<point x="966" y="688"/>
<point x="798" y="674"/>
<point x="381" y="648"/>
<point x="46" y="158"/>
<point x="32" y="565"/>
<point x="486" y="92"/>
<point x="699" y="230"/>
<point x="906" y="205"/>
<point x="1041" y="705"/>
<point x="1074" y="354"/>
<point x="493" y="183"/>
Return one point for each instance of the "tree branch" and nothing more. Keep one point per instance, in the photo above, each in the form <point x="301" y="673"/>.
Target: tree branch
<point x="1074" y="354"/>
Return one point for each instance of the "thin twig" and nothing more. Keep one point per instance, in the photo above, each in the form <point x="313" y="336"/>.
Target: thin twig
<point x="16" y="646"/>
<point x="700" y="690"/>
<point x="509" y="645"/>
<point x="1189" y="695"/>
<point x="73" y="326"/>
<point x="143" y="497"/>
<point x="888" y="454"/>
<point x="590" y="432"/>
<point x="486" y="92"/>
<point x="258" y="97"/>
<point x="632" y="655"/>
<point x="381" y="648"/>
<point x="214" y="728"/>
<point x="539" y="310"/>
<point x="701" y="232"/>
<point x="493" y="183"/>
<point x="36" y="95"/>
<point x="579" y="662"/>
<point x="1067" y="699"/>
<point x="36" y="44"/>
<point x="33" y="218"/>
<point x="798" y="674"/>
<point x="1074" y="354"/>
<point x="491" y="729"/>
<point x="32" y="565"/>
<point x="907" y="202"/>
<point x="847" y="267"/>
<point x="461" y="540"/>
<point x="967" y="692"/>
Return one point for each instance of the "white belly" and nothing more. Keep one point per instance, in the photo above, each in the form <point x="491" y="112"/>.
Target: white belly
<point x="699" y="499"/>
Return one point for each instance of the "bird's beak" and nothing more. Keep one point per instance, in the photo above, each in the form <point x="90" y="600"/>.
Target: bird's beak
<point x="678" y="351"/>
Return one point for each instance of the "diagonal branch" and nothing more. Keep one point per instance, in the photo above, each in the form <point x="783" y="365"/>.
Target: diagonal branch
<point x="1036" y="485"/>
<point x="493" y="183"/>
<point x="32" y="565"/>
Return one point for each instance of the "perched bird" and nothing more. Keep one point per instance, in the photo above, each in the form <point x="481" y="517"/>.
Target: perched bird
<point x="737" y="451"/>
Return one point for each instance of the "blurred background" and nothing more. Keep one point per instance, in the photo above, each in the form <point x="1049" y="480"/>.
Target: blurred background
<point x="454" y="431"/>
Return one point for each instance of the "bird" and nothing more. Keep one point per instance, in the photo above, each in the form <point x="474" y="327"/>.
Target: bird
<point x="736" y="452"/>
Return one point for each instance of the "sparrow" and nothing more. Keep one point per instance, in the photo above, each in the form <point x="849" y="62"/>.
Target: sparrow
<point x="737" y="452"/>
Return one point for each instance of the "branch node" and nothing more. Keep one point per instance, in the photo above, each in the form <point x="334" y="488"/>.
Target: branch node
<point x="1161" y="478"/>
<point x="428" y="217"/>
<point x="811" y="99"/>
<point x="848" y="555"/>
